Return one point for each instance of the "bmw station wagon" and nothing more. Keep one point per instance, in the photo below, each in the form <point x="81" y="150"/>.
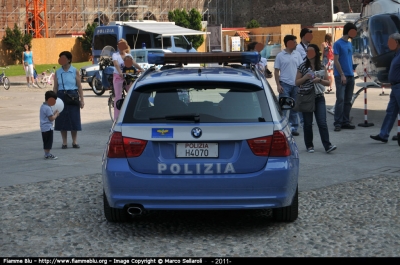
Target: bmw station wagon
<point x="201" y="138"/>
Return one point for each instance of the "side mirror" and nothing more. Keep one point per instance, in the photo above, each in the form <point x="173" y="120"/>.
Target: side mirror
<point x="286" y="103"/>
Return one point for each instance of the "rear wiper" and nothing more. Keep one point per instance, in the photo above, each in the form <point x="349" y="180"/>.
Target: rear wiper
<point x="186" y="117"/>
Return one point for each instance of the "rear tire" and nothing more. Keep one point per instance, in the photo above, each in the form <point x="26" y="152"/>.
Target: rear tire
<point x="114" y="214"/>
<point x="288" y="213"/>
<point x="6" y="83"/>
<point x="42" y="81"/>
<point x="97" y="86"/>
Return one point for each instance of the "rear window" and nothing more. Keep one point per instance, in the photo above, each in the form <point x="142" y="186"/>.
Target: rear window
<point x="180" y="41"/>
<point x="100" y="41"/>
<point x="188" y="103"/>
<point x="166" y="42"/>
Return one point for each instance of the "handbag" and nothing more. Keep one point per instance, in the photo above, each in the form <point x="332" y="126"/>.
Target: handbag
<point x="305" y="101"/>
<point x="69" y="99"/>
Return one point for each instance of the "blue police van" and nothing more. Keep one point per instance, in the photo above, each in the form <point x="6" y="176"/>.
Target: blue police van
<point x="143" y="34"/>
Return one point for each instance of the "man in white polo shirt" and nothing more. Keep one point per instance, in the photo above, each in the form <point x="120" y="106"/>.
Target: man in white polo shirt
<point x="286" y="63"/>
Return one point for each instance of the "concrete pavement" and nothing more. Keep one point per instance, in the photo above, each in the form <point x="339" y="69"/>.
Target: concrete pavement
<point x="21" y="158"/>
<point x="21" y="154"/>
<point x="17" y="80"/>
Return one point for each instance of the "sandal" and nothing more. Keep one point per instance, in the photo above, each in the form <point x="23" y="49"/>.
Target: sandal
<point x="75" y="146"/>
<point x="64" y="146"/>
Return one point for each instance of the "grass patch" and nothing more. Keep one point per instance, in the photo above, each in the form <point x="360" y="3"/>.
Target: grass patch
<point x="16" y="70"/>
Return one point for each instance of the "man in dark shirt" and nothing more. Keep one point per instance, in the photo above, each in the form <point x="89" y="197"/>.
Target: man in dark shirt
<point x="393" y="106"/>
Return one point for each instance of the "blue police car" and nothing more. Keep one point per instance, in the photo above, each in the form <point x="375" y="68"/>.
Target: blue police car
<point x="201" y="138"/>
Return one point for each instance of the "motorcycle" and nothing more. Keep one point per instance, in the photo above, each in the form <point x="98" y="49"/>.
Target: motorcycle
<point x="102" y="79"/>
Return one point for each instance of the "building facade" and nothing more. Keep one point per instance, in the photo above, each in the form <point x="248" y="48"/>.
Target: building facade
<point x="69" y="17"/>
<point x="276" y="12"/>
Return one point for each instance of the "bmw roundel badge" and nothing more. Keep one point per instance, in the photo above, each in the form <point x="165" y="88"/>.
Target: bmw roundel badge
<point x="196" y="132"/>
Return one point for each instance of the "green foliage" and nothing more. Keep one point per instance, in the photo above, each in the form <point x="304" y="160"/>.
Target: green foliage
<point x="253" y="24"/>
<point x="86" y="40"/>
<point x="14" y="40"/>
<point x="180" y="17"/>
<point x="191" y="20"/>
<point x="17" y="70"/>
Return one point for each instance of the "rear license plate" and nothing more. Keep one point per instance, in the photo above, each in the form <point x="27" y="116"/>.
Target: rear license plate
<point x="197" y="150"/>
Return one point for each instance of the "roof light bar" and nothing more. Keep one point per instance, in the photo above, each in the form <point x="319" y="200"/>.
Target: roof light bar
<point x="204" y="57"/>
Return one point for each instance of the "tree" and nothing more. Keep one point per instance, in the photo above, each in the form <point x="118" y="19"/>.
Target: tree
<point x="253" y="24"/>
<point x="14" y="41"/>
<point x="86" y="40"/>
<point x="191" y="20"/>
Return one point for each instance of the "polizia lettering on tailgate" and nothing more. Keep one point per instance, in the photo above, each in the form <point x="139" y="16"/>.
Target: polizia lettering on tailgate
<point x="198" y="168"/>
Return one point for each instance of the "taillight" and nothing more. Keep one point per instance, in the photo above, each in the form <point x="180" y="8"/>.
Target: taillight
<point x="116" y="146"/>
<point x="260" y="146"/>
<point x="134" y="147"/>
<point x="275" y="145"/>
<point x="125" y="147"/>
<point x="280" y="145"/>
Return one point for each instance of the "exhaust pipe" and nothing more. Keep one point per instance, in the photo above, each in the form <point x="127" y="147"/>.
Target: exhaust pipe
<point x="135" y="210"/>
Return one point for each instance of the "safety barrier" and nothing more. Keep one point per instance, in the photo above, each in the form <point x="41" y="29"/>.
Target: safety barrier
<point x="365" y="123"/>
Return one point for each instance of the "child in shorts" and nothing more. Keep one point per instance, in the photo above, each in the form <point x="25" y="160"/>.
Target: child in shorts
<point x="46" y="123"/>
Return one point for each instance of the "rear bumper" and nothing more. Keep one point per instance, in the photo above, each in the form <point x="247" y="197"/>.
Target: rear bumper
<point x="272" y="187"/>
<point x="86" y="78"/>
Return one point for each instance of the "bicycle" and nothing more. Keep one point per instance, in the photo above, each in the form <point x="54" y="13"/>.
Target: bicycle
<point x="128" y="79"/>
<point x="4" y="79"/>
<point x="44" y="80"/>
